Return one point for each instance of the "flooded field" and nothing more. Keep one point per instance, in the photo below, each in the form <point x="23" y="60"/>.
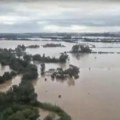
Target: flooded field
<point x="94" y="96"/>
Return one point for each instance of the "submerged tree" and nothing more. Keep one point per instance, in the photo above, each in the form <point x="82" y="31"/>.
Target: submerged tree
<point x="73" y="71"/>
<point x="42" y="68"/>
<point x="63" y="57"/>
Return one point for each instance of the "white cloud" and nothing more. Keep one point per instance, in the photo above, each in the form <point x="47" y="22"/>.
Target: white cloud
<point x="61" y="16"/>
<point x="10" y="20"/>
<point x="77" y="28"/>
<point x="41" y="22"/>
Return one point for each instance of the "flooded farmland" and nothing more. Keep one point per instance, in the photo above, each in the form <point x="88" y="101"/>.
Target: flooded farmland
<point x="93" y="96"/>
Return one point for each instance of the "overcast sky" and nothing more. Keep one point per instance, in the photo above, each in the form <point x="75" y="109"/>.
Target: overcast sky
<point x="54" y="16"/>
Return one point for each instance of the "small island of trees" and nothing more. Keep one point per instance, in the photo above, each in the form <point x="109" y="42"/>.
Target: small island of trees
<point x="33" y="46"/>
<point x="72" y="71"/>
<point x="63" y="58"/>
<point x="53" y="45"/>
<point x="81" y="49"/>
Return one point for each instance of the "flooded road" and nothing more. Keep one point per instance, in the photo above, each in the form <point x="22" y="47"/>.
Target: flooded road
<point x="94" y="96"/>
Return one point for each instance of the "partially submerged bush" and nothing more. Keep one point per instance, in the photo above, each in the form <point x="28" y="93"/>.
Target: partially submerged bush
<point x="72" y="71"/>
<point x="42" y="68"/>
<point x="53" y="45"/>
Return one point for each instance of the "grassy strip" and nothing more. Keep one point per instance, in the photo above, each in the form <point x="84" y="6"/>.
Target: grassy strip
<point x="53" y="108"/>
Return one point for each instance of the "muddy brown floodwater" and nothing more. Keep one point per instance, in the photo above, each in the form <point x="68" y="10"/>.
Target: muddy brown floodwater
<point x="94" y="96"/>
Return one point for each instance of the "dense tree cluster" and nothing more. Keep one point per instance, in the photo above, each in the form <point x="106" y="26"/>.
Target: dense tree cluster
<point x="30" y="73"/>
<point x="21" y="66"/>
<point x="33" y="46"/>
<point x="72" y="71"/>
<point x="20" y="50"/>
<point x="27" y="57"/>
<point x="28" y="70"/>
<point x="19" y="112"/>
<point x="22" y="47"/>
<point x="53" y="45"/>
<point x="18" y="103"/>
<point x="7" y="76"/>
<point x="44" y="58"/>
<point x="22" y="94"/>
<point x="63" y="58"/>
<point x="42" y="68"/>
<point x="6" y="56"/>
<point x="81" y="49"/>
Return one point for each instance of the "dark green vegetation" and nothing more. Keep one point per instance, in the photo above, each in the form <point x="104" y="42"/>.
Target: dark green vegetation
<point x="23" y="47"/>
<point x="19" y="112"/>
<point x="44" y="58"/>
<point x="7" y="76"/>
<point x="33" y="46"/>
<point x="22" y="94"/>
<point x="20" y="102"/>
<point x="62" y="114"/>
<point x="42" y="68"/>
<point x="63" y="58"/>
<point x="72" y="71"/>
<point x="21" y="66"/>
<point x="27" y="58"/>
<point x="20" y="50"/>
<point x="30" y="73"/>
<point x="81" y="49"/>
<point x="53" y="45"/>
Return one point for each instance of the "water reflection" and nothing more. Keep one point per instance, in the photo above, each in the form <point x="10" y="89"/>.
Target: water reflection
<point x="79" y="55"/>
<point x="71" y="82"/>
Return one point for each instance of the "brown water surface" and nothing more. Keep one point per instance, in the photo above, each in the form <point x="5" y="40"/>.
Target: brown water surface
<point x="94" y="96"/>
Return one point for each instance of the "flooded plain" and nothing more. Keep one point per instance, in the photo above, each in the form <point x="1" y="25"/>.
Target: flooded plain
<point x="94" y="96"/>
